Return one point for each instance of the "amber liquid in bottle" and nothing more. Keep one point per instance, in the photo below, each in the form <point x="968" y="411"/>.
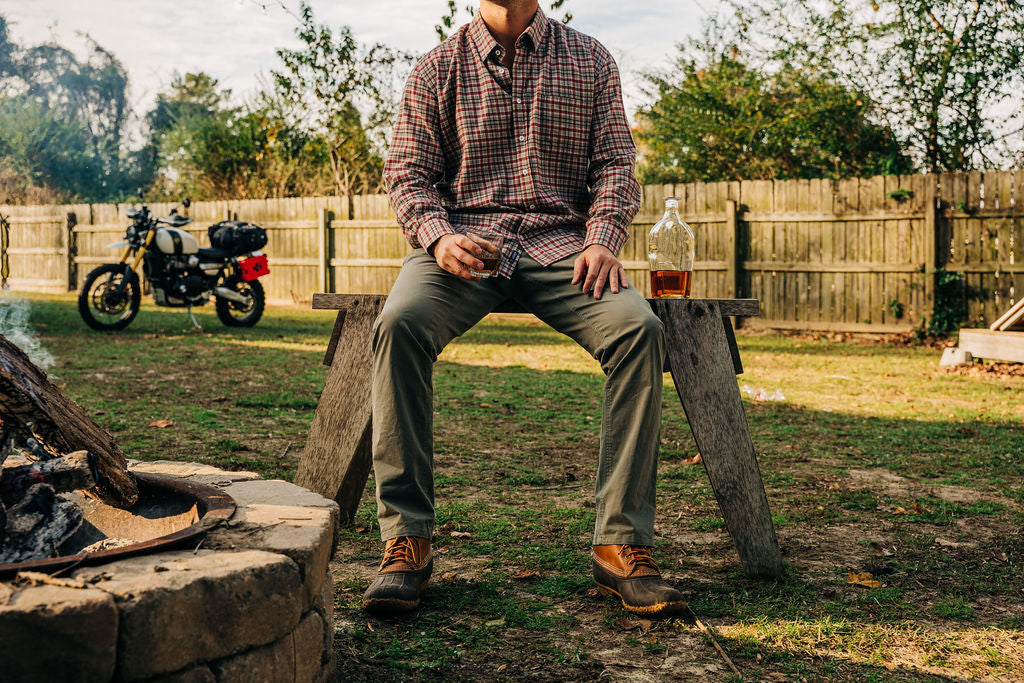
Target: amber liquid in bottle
<point x="670" y="283"/>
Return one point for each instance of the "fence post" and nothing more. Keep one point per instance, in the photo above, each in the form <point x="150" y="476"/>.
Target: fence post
<point x="732" y="246"/>
<point x="71" y="250"/>
<point x="323" y="262"/>
<point x="931" y="241"/>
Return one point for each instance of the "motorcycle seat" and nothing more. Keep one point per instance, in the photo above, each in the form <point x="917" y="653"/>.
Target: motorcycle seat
<point x="216" y="254"/>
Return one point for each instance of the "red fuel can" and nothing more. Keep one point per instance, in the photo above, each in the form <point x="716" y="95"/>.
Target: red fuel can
<point x="254" y="267"/>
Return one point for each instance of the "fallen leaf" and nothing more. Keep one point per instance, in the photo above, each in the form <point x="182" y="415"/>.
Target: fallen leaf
<point x="695" y="460"/>
<point x="495" y="622"/>
<point x="863" y="579"/>
<point x="918" y="509"/>
<point x="645" y="624"/>
<point x="526" y="575"/>
<point x="447" y="576"/>
<point x="593" y="592"/>
<point x="899" y="511"/>
<point x="161" y="423"/>
<point x="502" y="667"/>
<point x="370" y="626"/>
<point x="628" y="624"/>
<point x="486" y="405"/>
<point x="362" y="529"/>
<point x="461" y="534"/>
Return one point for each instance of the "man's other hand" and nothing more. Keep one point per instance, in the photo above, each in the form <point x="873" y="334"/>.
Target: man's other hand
<point x="601" y="268"/>
<point x="457" y="254"/>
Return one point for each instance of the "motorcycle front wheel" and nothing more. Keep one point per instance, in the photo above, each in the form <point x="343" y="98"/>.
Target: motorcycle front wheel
<point x="237" y="314"/>
<point x="105" y="304"/>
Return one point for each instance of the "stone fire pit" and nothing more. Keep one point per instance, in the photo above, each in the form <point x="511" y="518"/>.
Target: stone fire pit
<point x="252" y="601"/>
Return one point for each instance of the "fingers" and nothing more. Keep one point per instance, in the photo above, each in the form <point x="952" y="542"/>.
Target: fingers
<point x="613" y="279"/>
<point x="602" y="279"/>
<point x="579" y="265"/>
<point x="623" y="280"/>
<point x="469" y="244"/>
<point x="483" y="244"/>
<point x="455" y="254"/>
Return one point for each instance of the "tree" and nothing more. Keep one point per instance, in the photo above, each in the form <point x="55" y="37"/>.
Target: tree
<point x="453" y="19"/>
<point x="86" y="98"/>
<point x="206" y="148"/>
<point x="944" y="74"/>
<point x="715" y="118"/>
<point x="343" y="94"/>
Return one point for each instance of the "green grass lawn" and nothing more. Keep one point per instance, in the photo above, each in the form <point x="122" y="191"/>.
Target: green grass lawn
<point x="876" y="462"/>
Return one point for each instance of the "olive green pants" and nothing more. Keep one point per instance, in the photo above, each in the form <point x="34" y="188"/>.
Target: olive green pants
<point x="429" y="307"/>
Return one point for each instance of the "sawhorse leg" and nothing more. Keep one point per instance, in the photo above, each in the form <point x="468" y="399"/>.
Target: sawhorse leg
<point x="336" y="460"/>
<point x="703" y="361"/>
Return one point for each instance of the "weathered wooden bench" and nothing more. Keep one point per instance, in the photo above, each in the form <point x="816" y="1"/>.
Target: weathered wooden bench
<point x="702" y="358"/>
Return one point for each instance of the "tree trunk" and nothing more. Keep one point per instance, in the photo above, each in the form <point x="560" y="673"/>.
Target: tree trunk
<point x="35" y="412"/>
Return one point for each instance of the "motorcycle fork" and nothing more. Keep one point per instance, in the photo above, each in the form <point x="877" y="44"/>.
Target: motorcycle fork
<point x="135" y="263"/>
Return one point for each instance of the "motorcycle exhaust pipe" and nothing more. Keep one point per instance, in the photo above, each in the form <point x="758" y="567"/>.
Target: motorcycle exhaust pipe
<point x="231" y="295"/>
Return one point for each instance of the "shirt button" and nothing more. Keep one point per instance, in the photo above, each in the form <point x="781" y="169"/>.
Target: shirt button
<point x="522" y="138"/>
<point x="519" y="100"/>
<point x="526" y="173"/>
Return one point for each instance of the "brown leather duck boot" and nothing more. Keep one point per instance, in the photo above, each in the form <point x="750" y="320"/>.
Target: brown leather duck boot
<point x="404" y="573"/>
<point x="629" y="573"/>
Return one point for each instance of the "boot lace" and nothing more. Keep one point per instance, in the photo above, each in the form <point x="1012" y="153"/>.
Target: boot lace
<point x="401" y="549"/>
<point x="638" y="556"/>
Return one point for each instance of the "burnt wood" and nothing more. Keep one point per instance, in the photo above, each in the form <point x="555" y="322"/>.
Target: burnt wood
<point x="701" y="365"/>
<point x="73" y="472"/>
<point x="703" y="359"/>
<point x="38" y="525"/>
<point x="31" y="407"/>
<point x="336" y="459"/>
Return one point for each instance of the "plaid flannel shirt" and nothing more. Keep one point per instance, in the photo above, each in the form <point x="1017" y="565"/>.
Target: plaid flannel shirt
<point x="541" y="152"/>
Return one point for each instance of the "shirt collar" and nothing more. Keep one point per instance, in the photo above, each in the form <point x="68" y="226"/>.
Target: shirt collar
<point x="486" y="45"/>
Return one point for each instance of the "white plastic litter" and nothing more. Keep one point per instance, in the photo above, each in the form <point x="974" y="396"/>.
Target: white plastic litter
<point x="758" y="394"/>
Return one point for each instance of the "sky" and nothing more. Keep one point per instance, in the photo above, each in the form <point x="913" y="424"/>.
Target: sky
<point x="234" y="40"/>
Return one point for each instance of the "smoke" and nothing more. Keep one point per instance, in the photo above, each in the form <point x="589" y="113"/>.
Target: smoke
<point x="14" y="325"/>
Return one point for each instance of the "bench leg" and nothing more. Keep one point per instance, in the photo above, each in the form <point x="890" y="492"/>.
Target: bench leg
<point x="337" y="457"/>
<point x="702" y="367"/>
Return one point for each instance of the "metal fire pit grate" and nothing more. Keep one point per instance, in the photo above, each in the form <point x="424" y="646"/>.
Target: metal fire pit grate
<point x="161" y="498"/>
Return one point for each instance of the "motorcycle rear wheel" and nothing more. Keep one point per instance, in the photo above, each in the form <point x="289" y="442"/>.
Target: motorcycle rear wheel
<point x="235" y="314"/>
<point x="101" y="306"/>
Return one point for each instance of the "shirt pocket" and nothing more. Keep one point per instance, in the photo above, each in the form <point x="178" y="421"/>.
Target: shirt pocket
<point x="565" y="107"/>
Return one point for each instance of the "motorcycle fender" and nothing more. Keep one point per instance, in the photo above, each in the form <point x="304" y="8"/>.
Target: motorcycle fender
<point x="117" y="245"/>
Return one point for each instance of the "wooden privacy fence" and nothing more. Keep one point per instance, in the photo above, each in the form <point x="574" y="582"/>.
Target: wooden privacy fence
<point x="850" y="255"/>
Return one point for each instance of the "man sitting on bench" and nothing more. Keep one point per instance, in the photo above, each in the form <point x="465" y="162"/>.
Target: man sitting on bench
<point x="516" y="124"/>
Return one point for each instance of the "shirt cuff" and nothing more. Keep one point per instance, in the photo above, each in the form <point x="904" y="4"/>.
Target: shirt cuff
<point x="431" y="230"/>
<point x="607" y="235"/>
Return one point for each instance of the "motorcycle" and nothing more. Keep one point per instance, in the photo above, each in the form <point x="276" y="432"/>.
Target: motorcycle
<point x="181" y="274"/>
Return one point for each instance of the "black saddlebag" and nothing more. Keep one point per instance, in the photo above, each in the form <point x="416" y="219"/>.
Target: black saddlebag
<point x="237" y="237"/>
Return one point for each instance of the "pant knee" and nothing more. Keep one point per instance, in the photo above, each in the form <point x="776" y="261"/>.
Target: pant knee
<point x="648" y="332"/>
<point x="641" y="336"/>
<point x="400" y="325"/>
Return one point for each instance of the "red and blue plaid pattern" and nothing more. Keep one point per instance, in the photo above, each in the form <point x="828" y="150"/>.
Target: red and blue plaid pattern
<point x="541" y="152"/>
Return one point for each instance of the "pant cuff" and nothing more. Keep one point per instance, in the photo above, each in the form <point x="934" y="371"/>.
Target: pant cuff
<point x="623" y="538"/>
<point x="399" y="528"/>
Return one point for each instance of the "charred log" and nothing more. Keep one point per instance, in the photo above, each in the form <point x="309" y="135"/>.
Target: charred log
<point x="72" y="472"/>
<point x="33" y="409"/>
<point x="38" y="525"/>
